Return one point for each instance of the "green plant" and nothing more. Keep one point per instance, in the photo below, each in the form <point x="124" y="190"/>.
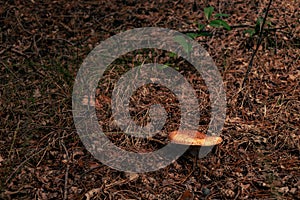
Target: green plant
<point x="257" y="28"/>
<point x="212" y="20"/>
<point x="217" y="22"/>
<point x="182" y="41"/>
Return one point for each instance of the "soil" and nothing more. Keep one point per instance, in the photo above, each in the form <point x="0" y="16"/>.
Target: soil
<point x="42" y="47"/>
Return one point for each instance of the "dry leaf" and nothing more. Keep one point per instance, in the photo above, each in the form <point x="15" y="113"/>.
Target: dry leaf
<point x="187" y="195"/>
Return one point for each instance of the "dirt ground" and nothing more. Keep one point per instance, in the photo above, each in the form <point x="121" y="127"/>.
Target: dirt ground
<point x="42" y="46"/>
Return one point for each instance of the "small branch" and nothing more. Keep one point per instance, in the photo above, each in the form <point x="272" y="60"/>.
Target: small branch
<point x="236" y="27"/>
<point x="4" y="50"/>
<point x="67" y="173"/>
<point x="22" y="163"/>
<point x="19" y="52"/>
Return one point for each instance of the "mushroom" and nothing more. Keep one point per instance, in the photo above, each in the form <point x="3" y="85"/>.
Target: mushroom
<point x="193" y="138"/>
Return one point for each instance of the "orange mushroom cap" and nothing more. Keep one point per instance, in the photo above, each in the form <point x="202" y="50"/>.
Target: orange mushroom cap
<point x="194" y="138"/>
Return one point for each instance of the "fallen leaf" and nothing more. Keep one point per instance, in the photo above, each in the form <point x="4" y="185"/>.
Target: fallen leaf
<point x="187" y="195"/>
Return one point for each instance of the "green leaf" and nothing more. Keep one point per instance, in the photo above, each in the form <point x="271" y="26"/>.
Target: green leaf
<point x="221" y="15"/>
<point x="161" y="67"/>
<point x="258" y="24"/>
<point x="219" y="23"/>
<point x="206" y="33"/>
<point x="201" y="27"/>
<point x="202" y="33"/>
<point x="208" y="12"/>
<point x="183" y="42"/>
<point x="172" y="55"/>
<point x="192" y="35"/>
<point x="259" y="20"/>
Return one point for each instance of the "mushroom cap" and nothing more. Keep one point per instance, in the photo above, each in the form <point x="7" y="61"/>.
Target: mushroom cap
<point x="194" y="138"/>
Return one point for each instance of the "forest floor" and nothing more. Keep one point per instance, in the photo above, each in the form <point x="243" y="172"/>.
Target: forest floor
<point x="42" y="47"/>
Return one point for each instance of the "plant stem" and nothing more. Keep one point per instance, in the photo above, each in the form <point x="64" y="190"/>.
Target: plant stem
<point x="257" y="46"/>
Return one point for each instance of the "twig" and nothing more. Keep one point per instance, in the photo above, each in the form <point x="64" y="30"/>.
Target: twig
<point x="41" y="158"/>
<point x="89" y="170"/>
<point x="4" y="50"/>
<point x="22" y="163"/>
<point x="250" y="26"/>
<point x="14" y="138"/>
<point x="67" y="173"/>
<point x="19" y="52"/>
<point x="257" y="46"/>
<point x="196" y="31"/>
